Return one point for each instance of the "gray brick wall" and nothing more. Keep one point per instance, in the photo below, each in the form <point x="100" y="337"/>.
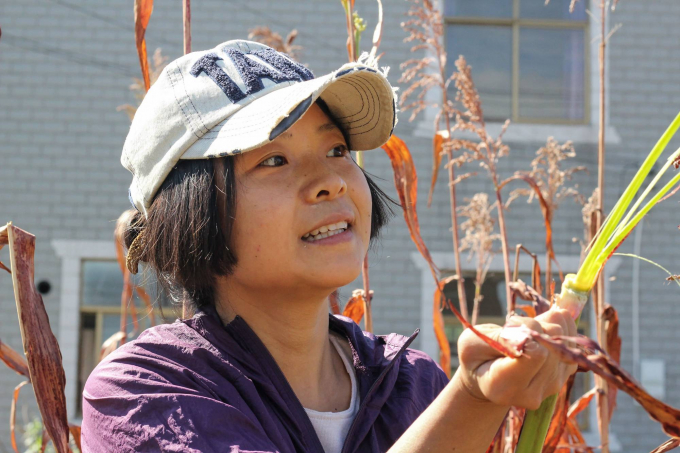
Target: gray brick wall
<point x="65" y="66"/>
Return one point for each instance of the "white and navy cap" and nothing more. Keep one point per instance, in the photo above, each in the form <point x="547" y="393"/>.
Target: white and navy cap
<point x="239" y="96"/>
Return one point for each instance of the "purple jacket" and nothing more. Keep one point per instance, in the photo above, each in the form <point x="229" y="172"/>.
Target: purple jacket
<point x="200" y="386"/>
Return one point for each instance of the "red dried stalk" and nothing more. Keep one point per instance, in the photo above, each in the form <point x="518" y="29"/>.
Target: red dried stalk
<point x="406" y="182"/>
<point x="426" y="27"/>
<point x="40" y="345"/>
<point x="487" y="151"/>
<point x="186" y="20"/>
<point x="142" y="10"/>
<point x="13" y="414"/>
<point x="549" y="178"/>
<point x="353" y="54"/>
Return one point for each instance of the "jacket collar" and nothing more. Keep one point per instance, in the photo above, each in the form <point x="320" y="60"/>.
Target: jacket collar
<point x="375" y="364"/>
<point x="371" y="352"/>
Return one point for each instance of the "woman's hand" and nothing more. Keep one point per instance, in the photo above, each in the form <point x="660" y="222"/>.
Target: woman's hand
<point x="525" y="381"/>
<point x="466" y="415"/>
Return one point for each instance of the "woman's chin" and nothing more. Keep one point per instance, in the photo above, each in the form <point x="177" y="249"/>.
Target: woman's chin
<point x="331" y="276"/>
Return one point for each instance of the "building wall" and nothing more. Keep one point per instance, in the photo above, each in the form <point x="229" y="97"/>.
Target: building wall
<point x="65" y="67"/>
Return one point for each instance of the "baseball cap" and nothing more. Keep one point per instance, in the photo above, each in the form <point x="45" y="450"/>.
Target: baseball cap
<point x="240" y="96"/>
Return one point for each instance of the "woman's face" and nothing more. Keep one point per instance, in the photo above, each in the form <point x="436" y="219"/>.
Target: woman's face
<point x="303" y="210"/>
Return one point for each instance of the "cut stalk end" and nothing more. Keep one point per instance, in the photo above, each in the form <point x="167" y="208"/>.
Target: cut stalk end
<point x="574" y="295"/>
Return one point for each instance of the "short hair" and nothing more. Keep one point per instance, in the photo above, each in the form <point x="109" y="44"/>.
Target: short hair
<point x="187" y="245"/>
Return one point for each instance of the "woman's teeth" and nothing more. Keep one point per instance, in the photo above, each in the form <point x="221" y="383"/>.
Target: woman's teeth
<point x="325" y="231"/>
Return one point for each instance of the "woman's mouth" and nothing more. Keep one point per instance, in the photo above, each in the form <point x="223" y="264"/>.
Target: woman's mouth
<point x="326" y="231"/>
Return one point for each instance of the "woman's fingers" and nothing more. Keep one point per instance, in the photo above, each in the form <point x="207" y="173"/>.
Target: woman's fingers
<point x="525" y="381"/>
<point x="515" y="381"/>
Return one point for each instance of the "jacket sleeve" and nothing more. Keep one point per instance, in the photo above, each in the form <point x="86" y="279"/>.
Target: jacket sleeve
<point x="129" y="408"/>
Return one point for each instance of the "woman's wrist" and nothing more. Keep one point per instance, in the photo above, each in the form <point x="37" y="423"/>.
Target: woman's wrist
<point x="458" y="417"/>
<point x="470" y="393"/>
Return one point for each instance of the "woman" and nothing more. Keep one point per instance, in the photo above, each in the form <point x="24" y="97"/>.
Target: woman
<point x="252" y="210"/>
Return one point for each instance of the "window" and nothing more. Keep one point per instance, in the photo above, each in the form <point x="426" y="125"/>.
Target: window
<point x="492" y="309"/>
<point x="100" y="313"/>
<point x="528" y="59"/>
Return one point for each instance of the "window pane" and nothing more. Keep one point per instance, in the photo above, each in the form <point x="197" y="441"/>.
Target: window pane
<point x="111" y="326"/>
<point x="478" y="8"/>
<point x="87" y="350"/>
<point x="102" y="283"/>
<point x="488" y="50"/>
<point x="551" y="67"/>
<point x="556" y="10"/>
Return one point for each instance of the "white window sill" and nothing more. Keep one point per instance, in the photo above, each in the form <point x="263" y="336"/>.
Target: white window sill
<point x="584" y="134"/>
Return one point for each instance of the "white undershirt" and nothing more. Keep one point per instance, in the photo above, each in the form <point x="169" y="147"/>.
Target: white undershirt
<point x="332" y="427"/>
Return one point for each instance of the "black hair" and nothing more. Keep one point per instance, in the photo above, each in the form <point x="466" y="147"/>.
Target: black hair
<point x="187" y="237"/>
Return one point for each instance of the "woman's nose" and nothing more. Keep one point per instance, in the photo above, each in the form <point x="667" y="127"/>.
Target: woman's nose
<point x="324" y="184"/>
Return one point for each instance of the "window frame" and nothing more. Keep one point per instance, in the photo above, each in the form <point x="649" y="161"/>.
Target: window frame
<point x="72" y="253"/>
<point x="99" y="311"/>
<point x="515" y="22"/>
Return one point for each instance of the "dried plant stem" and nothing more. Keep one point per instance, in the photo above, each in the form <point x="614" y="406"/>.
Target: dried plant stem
<point x="548" y="273"/>
<point x="186" y="19"/>
<point x="368" y="317"/>
<point x="601" y="384"/>
<point x="504" y="244"/>
<point x="352" y="52"/>
<point x="462" y="299"/>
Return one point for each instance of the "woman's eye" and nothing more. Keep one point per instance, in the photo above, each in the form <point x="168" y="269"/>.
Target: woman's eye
<point x="274" y="161"/>
<point x="338" y="151"/>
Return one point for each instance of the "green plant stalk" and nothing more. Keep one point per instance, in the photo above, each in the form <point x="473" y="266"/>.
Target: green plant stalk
<point x="622" y="204"/>
<point x="649" y="188"/>
<point x="625" y="231"/>
<point x="631" y="255"/>
<point x="576" y="288"/>
<point x="537" y="422"/>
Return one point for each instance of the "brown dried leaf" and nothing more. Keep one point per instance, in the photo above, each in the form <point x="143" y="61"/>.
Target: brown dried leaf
<point x="579" y="405"/>
<point x="529" y="310"/>
<point x="274" y="40"/>
<point x="143" y="10"/>
<point x="559" y="419"/>
<point x="440" y="333"/>
<point x="545" y="209"/>
<point x="611" y="325"/>
<point x="14" y="360"/>
<point x="333" y="301"/>
<point x="355" y="306"/>
<point x="149" y="305"/>
<point x="591" y="357"/>
<point x="40" y="345"/>
<point x="377" y="34"/>
<point x="437" y="150"/>
<point x="526" y="292"/>
<point x="3" y="242"/>
<point x="670" y="444"/>
<point x="13" y="415"/>
<point x="111" y="344"/>
<point x="75" y="433"/>
<point x="406" y="182"/>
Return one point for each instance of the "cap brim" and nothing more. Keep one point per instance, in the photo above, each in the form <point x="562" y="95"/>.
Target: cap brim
<point x="359" y="98"/>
